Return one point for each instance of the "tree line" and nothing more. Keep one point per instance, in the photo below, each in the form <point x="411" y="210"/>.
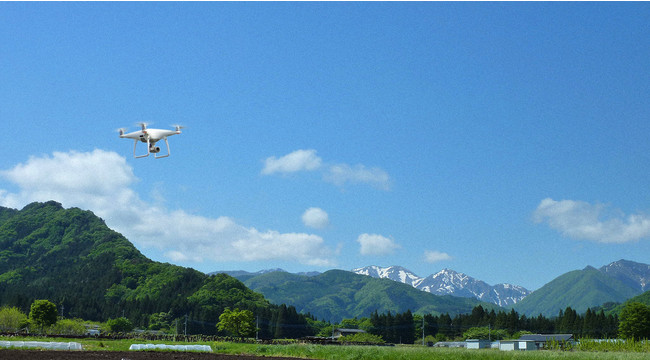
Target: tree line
<point x="409" y="328"/>
<point x="284" y="322"/>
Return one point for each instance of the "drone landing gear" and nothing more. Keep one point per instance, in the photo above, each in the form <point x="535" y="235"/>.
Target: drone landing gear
<point x="158" y="150"/>
<point x="151" y="148"/>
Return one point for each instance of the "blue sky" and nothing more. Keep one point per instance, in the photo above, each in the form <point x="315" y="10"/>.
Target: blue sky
<point x="508" y="141"/>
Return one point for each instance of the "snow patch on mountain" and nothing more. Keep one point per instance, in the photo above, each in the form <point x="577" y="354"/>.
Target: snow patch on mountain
<point x="450" y="282"/>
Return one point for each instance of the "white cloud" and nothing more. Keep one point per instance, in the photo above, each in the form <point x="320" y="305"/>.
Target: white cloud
<point x="435" y="256"/>
<point x="373" y="244"/>
<point x="581" y="220"/>
<point x="299" y="160"/>
<point x="98" y="178"/>
<point x="341" y="174"/>
<point x="101" y="181"/>
<point x="316" y="218"/>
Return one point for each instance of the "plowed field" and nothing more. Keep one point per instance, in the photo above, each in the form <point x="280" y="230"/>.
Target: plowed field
<point x="122" y="355"/>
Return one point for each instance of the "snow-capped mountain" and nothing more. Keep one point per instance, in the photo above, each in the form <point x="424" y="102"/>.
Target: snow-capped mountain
<point x="395" y="273"/>
<point x="633" y="274"/>
<point x="450" y="282"/>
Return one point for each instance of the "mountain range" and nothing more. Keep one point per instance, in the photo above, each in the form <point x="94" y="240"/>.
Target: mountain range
<point x="244" y="275"/>
<point x="337" y="294"/>
<point x="71" y="257"/>
<point x="450" y="282"/>
<point x="580" y="289"/>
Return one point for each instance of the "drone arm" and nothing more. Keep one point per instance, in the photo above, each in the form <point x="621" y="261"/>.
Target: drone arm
<point x="164" y="156"/>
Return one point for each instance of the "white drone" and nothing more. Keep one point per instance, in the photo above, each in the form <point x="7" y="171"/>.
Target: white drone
<point x="150" y="136"/>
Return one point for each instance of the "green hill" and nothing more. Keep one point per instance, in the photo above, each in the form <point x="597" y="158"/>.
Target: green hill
<point x="338" y="294"/>
<point x="642" y="298"/>
<point x="579" y="289"/>
<point x="70" y="257"/>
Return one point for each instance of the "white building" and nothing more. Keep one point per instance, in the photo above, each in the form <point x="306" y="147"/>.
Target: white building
<point x="478" y="344"/>
<point x="509" y="345"/>
<point x="527" y="345"/>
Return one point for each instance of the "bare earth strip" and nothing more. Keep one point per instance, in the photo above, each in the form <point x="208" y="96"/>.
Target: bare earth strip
<point x="12" y="354"/>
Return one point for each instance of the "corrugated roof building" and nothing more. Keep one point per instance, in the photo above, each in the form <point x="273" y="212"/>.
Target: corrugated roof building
<point x="543" y="340"/>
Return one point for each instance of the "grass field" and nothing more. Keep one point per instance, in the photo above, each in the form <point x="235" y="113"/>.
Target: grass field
<point x="400" y="352"/>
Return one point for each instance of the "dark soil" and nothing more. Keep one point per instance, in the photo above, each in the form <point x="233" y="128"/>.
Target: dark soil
<point x="13" y="354"/>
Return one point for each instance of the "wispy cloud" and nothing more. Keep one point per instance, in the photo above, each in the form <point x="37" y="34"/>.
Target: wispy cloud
<point x="435" y="256"/>
<point x="582" y="220"/>
<point x="338" y="174"/>
<point x="373" y="244"/>
<point x="299" y="160"/>
<point x="316" y="218"/>
<point x="102" y="181"/>
<point x="341" y="174"/>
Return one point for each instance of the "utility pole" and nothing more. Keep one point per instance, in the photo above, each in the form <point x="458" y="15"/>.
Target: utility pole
<point x="422" y="330"/>
<point x="185" y="324"/>
<point x="257" y="328"/>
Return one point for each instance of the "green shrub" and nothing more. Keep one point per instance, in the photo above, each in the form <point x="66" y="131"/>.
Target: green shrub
<point x="362" y="338"/>
<point x="122" y="325"/>
<point x="12" y="319"/>
<point x="68" y="327"/>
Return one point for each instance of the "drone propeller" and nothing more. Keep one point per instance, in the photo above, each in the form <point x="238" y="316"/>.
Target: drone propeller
<point x="178" y="127"/>
<point x="143" y="125"/>
<point x="121" y="131"/>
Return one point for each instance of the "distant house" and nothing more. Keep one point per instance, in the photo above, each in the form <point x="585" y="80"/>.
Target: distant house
<point x="509" y="345"/>
<point x="92" y="330"/>
<point x="337" y="333"/>
<point x="542" y="340"/>
<point x="478" y="344"/>
<point x="527" y="345"/>
<point x="451" y="344"/>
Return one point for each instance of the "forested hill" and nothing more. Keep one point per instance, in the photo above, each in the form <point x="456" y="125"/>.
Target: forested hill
<point x="579" y="289"/>
<point x="70" y="257"/>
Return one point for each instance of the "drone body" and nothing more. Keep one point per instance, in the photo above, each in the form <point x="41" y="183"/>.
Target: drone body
<point x="150" y="137"/>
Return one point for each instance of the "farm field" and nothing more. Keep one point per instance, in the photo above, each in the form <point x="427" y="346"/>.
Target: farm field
<point x="118" y="349"/>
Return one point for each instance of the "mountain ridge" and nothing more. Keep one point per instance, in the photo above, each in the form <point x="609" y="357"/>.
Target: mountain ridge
<point x="582" y="289"/>
<point x="70" y="257"/>
<point x="450" y="282"/>
<point x="338" y="294"/>
<point x="592" y="287"/>
<point x="634" y="274"/>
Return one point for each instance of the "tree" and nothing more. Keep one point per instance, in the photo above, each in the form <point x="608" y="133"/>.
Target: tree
<point x="406" y="327"/>
<point x="326" y="331"/>
<point x="43" y="313"/>
<point x="159" y="321"/>
<point x="482" y="332"/>
<point x="240" y="323"/>
<point x="120" y="325"/>
<point x="349" y="323"/>
<point x="12" y="319"/>
<point x="485" y="333"/>
<point x="635" y="321"/>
